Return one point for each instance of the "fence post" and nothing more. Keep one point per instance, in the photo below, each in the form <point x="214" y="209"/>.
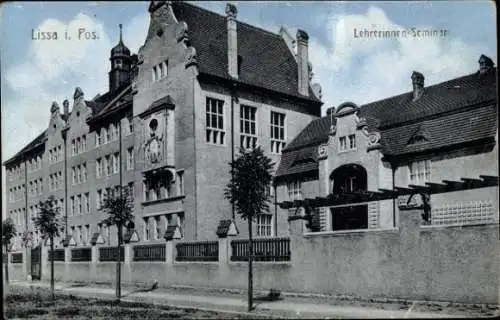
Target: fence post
<point x="127" y="253"/>
<point x="45" y="262"/>
<point x="170" y="251"/>
<point x="95" y="254"/>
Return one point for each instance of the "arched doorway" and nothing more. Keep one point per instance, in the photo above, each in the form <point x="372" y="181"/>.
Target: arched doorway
<point x="346" y="179"/>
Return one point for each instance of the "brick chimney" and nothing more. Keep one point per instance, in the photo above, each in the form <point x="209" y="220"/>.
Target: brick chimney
<point x="66" y="109"/>
<point x="303" y="62"/>
<point x="417" y="79"/>
<point x="485" y="64"/>
<point x="232" y="40"/>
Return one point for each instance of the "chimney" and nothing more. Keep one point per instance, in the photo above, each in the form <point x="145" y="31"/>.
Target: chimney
<point x="66" y="109"/>
<point x="485" y="64"/>
<point x="417" y="79"/>
<point x="232" y="41"/>
<point x="302" y="62"/>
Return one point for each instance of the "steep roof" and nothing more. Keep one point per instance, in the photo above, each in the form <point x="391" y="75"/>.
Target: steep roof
<point x="266" y="60"/>
<point x="453" y="112"/>
<point x="39" y="140"/>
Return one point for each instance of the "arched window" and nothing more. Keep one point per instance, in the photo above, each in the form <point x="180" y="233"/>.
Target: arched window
<point x="347" y="179"/>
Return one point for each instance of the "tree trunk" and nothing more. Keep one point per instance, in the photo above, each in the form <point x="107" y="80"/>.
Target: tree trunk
<point x="7" y="265"/>
<point x="52" y="267"/>
<point x="118" y="264"/>
<point x="250" y="259"/>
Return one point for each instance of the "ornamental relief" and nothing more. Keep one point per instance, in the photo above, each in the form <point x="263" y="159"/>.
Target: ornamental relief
<point x="153" y="146"/>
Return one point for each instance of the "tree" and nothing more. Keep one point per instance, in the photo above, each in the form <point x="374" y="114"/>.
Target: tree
<point x="47" y="222"/>
<point x="247" y="190"/>
<point x="119" y="208"/>
<point x="8" y="233"/>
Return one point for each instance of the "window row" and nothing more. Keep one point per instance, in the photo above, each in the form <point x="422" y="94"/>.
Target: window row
<point x="17" y="216"/>
<point x="34" y="163"/>
<point x="112" y="192"/>
<point x="107" y="165"/>
<point x="81" y="234"/>
<point x="56" y="154"/>
<point x="347" y="143"/>
<point x="79" y="173"/>
<point x="160" y="71"/>
<point x="55" y="182"/>
<point x="107" y="135"/>
<point x="154" y="227"/>
<point x="264" y="225"/>
<point x="79" y="204"/>
<point x="15" y="172"/>
<point x="215" y="129"/>
<point x="159" y="187"/>
<point x="79" y="145"/>
<point x="17" y="193"/>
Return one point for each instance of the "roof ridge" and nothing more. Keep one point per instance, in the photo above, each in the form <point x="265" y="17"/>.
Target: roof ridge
<point x="223" y="16"/>
<point x="426" y="87"/>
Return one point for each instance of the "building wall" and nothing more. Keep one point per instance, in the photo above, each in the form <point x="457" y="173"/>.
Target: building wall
<point x="213" y="160"/>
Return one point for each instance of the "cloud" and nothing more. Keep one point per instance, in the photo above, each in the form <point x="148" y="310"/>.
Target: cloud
<point x="368" y="69"/>
<point x="53" y="68"/>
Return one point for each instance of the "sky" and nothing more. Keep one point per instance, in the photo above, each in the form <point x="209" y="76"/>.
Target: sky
<point x="349" y="68"/>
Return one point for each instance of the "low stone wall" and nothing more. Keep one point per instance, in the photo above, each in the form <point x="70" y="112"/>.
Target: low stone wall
<point x="414" y="262"/>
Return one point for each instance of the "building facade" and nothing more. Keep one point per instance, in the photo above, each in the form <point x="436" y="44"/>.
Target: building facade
<point x="175" y="114"/>
<point x="420" y="139"/>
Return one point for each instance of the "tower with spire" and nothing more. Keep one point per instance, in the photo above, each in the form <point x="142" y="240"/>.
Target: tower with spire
<point x="121" y="62"/>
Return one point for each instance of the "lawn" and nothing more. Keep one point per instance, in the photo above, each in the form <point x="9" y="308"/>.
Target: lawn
<point x="36" y="303"/>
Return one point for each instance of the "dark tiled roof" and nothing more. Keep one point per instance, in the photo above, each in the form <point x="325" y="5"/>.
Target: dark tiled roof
<point x="266" y="60"/>
<point x="453" y="112"/>
<point x="440" y="98"/>
<point x="108" y="103"/>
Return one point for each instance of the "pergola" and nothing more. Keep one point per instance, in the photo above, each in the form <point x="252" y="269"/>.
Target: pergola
<point x="335" y="199"/>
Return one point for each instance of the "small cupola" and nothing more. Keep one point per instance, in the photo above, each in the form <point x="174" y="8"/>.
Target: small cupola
<point x="121" y="62"/>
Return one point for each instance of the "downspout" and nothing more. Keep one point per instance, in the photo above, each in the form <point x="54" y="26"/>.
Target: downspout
<point x="232" y="142"/>
<point x="26" y="195"/>
<point x="393" y="199"/>
<point x="65" y="181"/>
<point x="275" y="210"/>
<point x="195" y="193"/>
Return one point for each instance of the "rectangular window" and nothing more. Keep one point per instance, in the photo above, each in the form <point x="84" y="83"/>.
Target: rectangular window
<point x="98" y="199"/>
<point x="248" y="130"/>
<point x="180" y="179"/>
<point x="343" y="143"/>
<point x="84" y="143"/>
<point x="154" y="74"/>
<point x="215" y="121"/>
<point x="78" y="174"/>
<point x="277" y="132"/>
<point x="130" y="158"/>
<point x="98" y="168"/>
<point x="131" y="190"/>
<point x="86" y="198"/>
<point x="352" y="141"/>
<point x="73" y="147"/>
<point x="73" y="172"/>
<point x="107" y="164"/>
<point x="97" y="139"/>
<point x="84" y="172"/>
<point x="105" y="135"/>
<point x="420" y="172"/>
<point x="72" y="205"/>
<point x="264" y="224"/>
<point x="294" y="190"/>
<point x="347" y="143"/>
<point x="79" y="204"/>
<point x="130" y="124"/>
<point x="78" y="145"/>
<point x="116" y="163"/>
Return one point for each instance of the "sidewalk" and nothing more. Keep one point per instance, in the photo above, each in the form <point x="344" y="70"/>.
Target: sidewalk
<point x="281" y="308"/>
